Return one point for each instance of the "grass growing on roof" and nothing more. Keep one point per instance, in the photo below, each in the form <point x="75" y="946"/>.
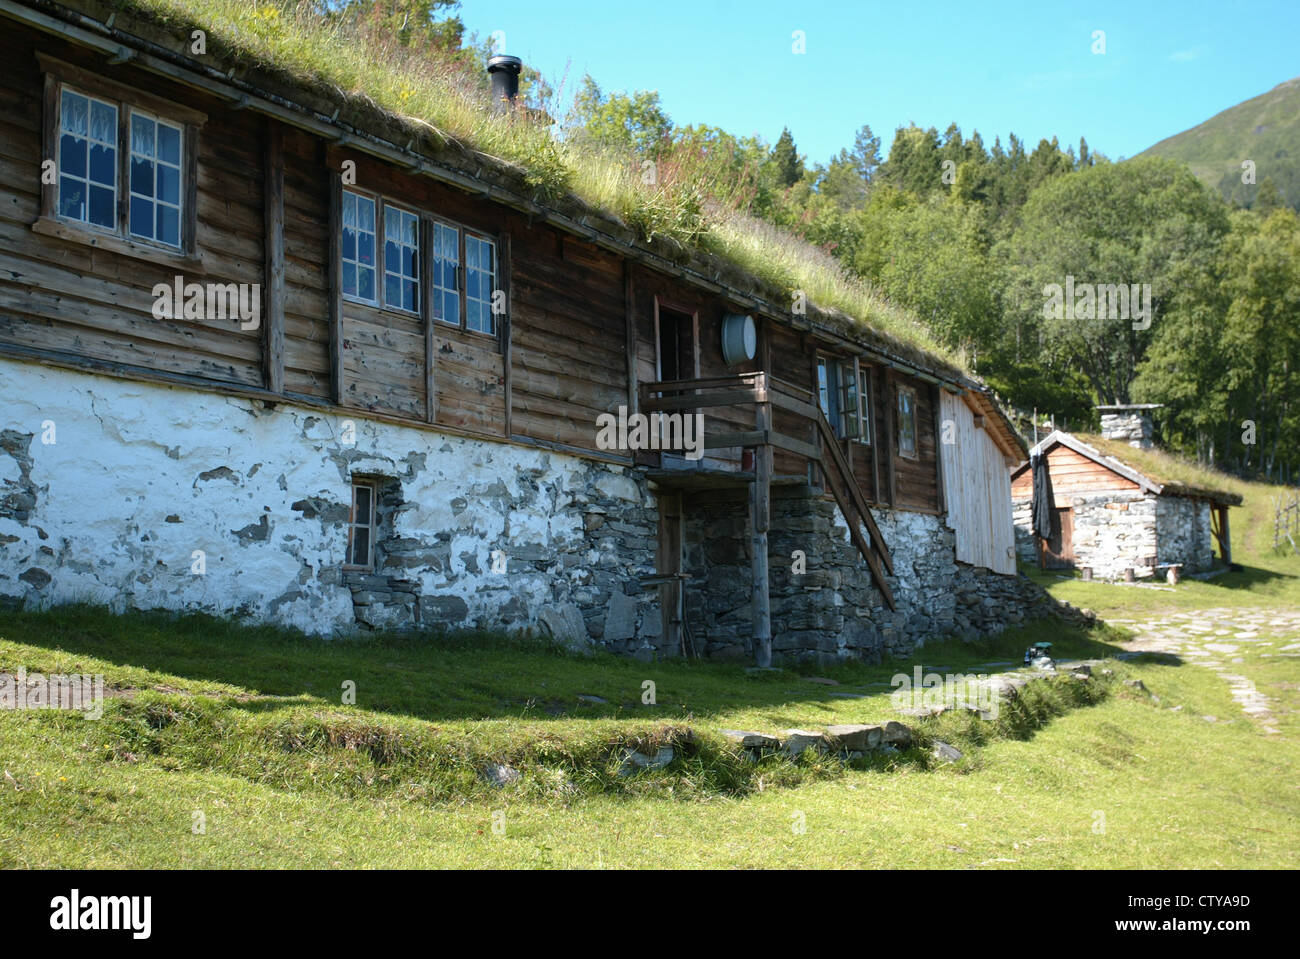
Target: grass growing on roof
<point x="693" y="203"/>
<point x="1166" y="468"/>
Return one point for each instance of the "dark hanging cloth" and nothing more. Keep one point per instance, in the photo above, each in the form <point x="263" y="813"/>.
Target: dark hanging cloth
<point x="1042" y="503"/>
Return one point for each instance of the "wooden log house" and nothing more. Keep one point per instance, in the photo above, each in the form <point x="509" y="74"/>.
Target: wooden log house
<point x="405" y="434"/>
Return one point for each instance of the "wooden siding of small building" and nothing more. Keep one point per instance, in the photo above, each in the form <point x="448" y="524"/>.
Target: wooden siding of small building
<point x="977" y="490"/>
<point x="1071" y="473"/>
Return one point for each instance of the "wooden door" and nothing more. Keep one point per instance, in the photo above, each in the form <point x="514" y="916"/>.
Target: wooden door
<point x="1057" y="551"/>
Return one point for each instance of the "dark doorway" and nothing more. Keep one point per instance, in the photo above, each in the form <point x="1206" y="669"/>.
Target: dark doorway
<point x="676" y="345"/>
<point x="1057" y="551"/>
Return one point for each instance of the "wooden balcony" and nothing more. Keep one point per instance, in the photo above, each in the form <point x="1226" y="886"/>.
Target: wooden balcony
<point x="747" y="397"/>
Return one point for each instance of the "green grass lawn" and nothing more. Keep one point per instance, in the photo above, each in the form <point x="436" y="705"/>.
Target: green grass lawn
<point x="245" y="732"/>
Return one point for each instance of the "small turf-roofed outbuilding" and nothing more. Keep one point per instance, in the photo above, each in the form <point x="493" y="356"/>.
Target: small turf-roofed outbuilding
<point x="1117" y="510"/>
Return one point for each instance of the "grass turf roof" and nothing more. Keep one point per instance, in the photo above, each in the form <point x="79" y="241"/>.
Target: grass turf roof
<point x="1175" y="475"/>
<point x="431" y="99"/>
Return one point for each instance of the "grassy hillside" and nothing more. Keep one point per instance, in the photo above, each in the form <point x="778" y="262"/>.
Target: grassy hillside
<point x="1265" y="129"/>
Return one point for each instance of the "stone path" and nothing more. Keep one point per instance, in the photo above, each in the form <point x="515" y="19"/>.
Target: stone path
<point x="1214" y="638"/>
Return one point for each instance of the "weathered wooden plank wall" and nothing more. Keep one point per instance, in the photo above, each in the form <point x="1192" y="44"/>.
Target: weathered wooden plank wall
<point x="90" y="302"/>
<point x="977" y="490"/>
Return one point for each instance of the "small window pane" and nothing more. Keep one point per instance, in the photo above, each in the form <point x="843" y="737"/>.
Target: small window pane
<point x="103" y="165"/>
<point x="169" y="144"/>
<point x="72" y="155"/>
<point x="169" y="184"/>
<point x="141" y="218"/>
<point x="360" y="546"/>
<point x="102" y="211"/>
<point x="169" y="225"/>
<point x="141" y="177"/>
<point x="72" y="198"/>
<point x="74" y="112"/>
<point x="103" y="122"/>
<point x="142" y="135"/>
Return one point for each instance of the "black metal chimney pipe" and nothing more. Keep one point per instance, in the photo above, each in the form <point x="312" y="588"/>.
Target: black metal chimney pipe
<point x="504" y="73"/>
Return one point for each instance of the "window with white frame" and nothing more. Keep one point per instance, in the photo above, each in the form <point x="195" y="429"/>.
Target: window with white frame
<point x="359" y="247"/>
<point x="848" y="421"/>
<point x="361" y="526"/>
<point x="824" y="387"/>
<point x="864" y="405"/>
<point x="446" y="273"/>
<point x="124" y="162"/>
<point x="907" y="421"/>
<point x="401" y="259"/>
<point x="87" y="159"/>
<point x="154" y="211"/>
<point x="480" y="282"/>
<point x="830" y="396"/>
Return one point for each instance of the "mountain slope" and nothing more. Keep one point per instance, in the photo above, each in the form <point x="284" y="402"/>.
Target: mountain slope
<point x="1265" y="129"/>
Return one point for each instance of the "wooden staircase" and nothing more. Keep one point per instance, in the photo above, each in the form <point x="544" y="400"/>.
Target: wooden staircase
<point x="839" y="478"/>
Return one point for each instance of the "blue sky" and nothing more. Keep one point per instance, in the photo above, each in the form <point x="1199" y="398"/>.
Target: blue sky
<point x="1027" y="68"/>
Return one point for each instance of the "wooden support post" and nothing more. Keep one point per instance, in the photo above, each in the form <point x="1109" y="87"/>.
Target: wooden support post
<point x="936" y="400"/>
<point x="427" y="321"/>
<point x="629" y="324"/>
<point x="891" y="414"/>
<point x="334" y="295"/>
<point x="760" y="517"/>
<point x="273" y="243"/>
<point x="504" y="320"/>
<point x="1225" y="541"/>
<point x="669" y="563"/>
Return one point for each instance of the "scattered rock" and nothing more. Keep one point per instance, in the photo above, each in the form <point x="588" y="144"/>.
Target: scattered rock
<point x="822" y="680"/>
<point x="752" y="740"/>
<point x="633" y="760"/>
<point x="799" y="740"/>
<point x="855" y="737"/>
<point x="949" y="754"/>
<point x="593" y="700"/>
<point x="1138" y="685"/>
<point x="498" y="774"/>
<point x="896" y="734"/>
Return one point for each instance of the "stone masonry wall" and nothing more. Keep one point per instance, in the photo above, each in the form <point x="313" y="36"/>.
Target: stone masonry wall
<point x="832" y="610"/>
<point x="1117" y="531"/>
<point x="141" y="496"/>
<point x="1022" y="520"/>
<point x="1113" y="531"/>
<point x="1183" y="533"/>
<point x="134" y="495"/>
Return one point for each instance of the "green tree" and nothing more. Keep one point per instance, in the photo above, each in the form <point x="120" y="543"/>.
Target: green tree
<point x="1147" y="222"/>
<point x="785" y="157"/>
<point x="634" y="123"/>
